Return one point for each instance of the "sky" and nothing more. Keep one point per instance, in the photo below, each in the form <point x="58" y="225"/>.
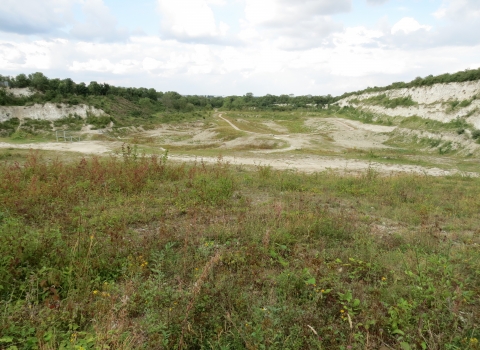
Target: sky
<point x="231" y="47"/>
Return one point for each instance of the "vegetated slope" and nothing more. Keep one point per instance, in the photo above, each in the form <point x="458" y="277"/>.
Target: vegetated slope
<point x="458" y="77"/>
<point x="443" y="117"/>
<point x="28" y="111"/>
<point x="37" y="100"/>
<point x="441" y="102"/>
<point x="137" y="253"/>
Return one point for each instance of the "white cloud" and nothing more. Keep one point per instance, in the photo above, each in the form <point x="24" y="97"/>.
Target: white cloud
<point x="31" y="56"/>
<point x="100" y="23"/>
<point x="51" y="18"/>
<point x="291" y="24"/>
<point x="105" y="65"/>
<point x="440" y="13"/>
<point x="376" y="2"/>
<point x="216" y="2"/>
<point x="151" y="64"/>
<point x="34" y="16"/>
<point x="185" y="19"/>
<point x="458" y="10"/>
<point x="408" y="25"/>
<point x="288" y="12"/>
<point x="288" y="46"/>
<point x="11" y="56"/>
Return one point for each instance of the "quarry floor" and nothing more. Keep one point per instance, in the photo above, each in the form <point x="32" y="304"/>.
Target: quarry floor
<point x="330" y="143"/>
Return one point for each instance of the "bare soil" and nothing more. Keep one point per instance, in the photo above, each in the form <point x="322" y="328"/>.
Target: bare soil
<point x="280" y="151"/>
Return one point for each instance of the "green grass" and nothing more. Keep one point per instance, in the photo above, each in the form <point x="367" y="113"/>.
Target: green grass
<point x="295" y="126"/>
<point x="419" y="123"/>
<point x="8" y="127"/>
<point x="362" y="116"/>
<point x="275" y="116"/>
<point x="227" y="133"/>
<point x="455" y="104"/>
<point x="137" y="253"/>
<point x="387" y="102"/>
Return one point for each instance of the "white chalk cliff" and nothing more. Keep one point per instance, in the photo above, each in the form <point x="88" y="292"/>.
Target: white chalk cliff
<point x="433" y="102"/>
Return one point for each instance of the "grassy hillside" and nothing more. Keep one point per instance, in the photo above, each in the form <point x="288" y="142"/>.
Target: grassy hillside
<point x="458" y="77"/>
<point x="121" y="111"/>
<point x="141" y="253"/>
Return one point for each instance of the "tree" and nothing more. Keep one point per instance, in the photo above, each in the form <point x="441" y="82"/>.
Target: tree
<point x="94" y="88"/>
<point x="81" y="89"/>
<point x="66" y="87"/>
<point x="38" y="81"/>
<point x="22" y="81"/>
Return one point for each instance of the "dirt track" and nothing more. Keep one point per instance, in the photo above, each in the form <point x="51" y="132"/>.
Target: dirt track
<point x="342" y="134"/>
<point x="318" y="164"/>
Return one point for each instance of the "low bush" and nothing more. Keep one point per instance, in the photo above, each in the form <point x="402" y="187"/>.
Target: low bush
<point x="133" y="252"/>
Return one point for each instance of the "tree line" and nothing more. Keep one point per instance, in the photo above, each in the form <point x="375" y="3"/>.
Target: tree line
<point x="459" y="77"/>
<point x="68" y="91"/>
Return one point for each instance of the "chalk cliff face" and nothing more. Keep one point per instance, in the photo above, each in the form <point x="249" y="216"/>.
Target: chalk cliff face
<point x="433" y="102"/>
<point x="48" y="111"/>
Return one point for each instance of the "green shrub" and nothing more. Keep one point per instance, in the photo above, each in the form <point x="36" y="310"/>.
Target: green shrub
<point x="387" y="102"/>
<point x="475" y="134"/>
<point x="99" y="122"/>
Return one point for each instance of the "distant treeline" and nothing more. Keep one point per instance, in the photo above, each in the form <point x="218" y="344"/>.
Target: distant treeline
<point x="459" y="77"/>
<point x="67" y="91"/>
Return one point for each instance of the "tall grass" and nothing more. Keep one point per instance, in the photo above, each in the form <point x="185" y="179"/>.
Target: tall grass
<point x="137" y="253"/>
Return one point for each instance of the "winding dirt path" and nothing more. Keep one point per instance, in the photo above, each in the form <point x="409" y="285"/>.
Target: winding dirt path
<point x="277" y="158"/>
<point x="233" y="125"/>
<point x="294" y="142"/>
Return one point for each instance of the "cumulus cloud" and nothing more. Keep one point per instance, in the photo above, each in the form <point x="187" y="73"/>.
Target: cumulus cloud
<point x="99" y="23"/>
<point x="459" y="10"/>
<point x="292" y="24"/>
<point x="190" y="19"/>
<point x="347" y="64"/>
<point x="458" y="25"/>
<point x="32" y="56"/>
<point x="280" y="13"/>
<point x="105" y="65"/>
<point x="53" y="18"/>
<point x="10" y="55"/>
<point x="408" y="25"/>
<point x="33" y="16"/>
<point x="286" y="46"/>
<point x="376" y="2"/>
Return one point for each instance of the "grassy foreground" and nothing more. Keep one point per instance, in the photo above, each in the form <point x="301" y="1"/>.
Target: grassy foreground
<point x="137" y="253"/>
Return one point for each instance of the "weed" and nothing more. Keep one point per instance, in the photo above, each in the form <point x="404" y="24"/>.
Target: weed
<point x="136" y="252"/>
<point x="386" y="101"/>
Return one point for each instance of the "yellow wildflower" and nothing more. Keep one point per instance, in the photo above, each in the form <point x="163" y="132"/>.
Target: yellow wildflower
<point x="73" y="337"/>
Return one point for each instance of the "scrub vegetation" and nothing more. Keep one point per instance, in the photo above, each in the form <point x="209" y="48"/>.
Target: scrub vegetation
<point x="459" y="77"/>
<point x="387" y="102"/>
<point x="135" y="252"/>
